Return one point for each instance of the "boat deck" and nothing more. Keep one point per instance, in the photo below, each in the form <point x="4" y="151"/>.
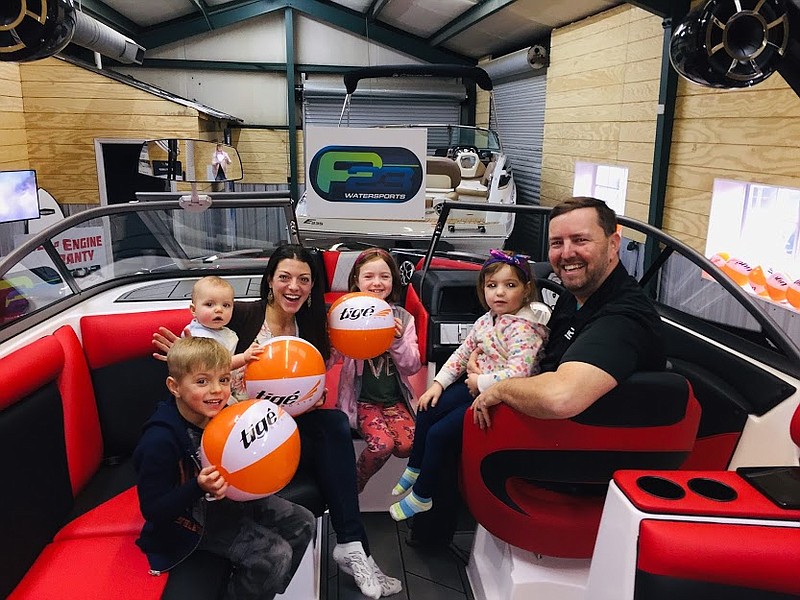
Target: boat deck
<point x="426" y="574"/>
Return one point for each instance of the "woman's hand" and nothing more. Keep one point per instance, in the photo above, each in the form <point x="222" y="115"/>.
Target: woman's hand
<point x="211" y="482"/>
<point x="430" y="396"/>
<point x="321" y="400"/>
<point x="163" y="340"/>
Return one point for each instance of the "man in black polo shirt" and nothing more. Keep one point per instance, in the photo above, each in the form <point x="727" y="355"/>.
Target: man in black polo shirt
<point x="601" y="332"/>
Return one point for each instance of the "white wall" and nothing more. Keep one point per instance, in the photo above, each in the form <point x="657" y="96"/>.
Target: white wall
<point x="258" y="98"/>
<point x="317" y="43"/>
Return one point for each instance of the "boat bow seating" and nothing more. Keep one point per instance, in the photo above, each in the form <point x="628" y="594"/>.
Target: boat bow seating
<point x="70" y="416"/>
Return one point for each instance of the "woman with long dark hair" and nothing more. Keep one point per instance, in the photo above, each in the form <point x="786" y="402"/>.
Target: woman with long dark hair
<point x="292" y="303"/>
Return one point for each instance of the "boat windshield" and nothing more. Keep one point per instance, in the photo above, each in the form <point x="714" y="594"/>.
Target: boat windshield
<point x="441" y="137"/>
<point x="111" y="245"/>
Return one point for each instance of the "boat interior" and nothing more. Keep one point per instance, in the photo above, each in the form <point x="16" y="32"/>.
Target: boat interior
<point x="584" y="508"/>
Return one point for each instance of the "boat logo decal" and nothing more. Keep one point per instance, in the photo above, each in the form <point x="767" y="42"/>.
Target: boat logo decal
<point x="366" y="174"/>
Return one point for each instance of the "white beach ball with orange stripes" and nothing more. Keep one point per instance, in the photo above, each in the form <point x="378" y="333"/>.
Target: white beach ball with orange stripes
<point x="290" y="373"/>
<point x="361" y="325"/>
<point x="254" y="445"/>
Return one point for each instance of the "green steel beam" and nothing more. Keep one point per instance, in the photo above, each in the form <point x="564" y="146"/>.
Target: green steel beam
<point x="218" y="17"/>
<point x="335" y="15"/>
<point x="665" y="119"/>
<point x="375" y="9"/>
<point x="288" y="20"/>
<point x="104" y="13"/>
<point x="257" y="67"/>
<point x="468" y="19"/>
<point x="381" y="33"/>
<point x="204" y="9"/>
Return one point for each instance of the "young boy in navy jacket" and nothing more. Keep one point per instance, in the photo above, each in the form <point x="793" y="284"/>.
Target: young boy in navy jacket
<point x="184" y="505"/>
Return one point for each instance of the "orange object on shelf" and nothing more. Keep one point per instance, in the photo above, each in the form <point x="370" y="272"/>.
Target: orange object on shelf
<point x="777" y="286"/>
<point x="738" y="270"/>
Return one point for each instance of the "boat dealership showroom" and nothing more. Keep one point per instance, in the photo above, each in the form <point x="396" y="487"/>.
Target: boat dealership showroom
<point x="505" y="294"/>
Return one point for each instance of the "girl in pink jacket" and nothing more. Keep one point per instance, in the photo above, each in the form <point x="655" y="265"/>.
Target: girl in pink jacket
<point x="511" y="336"/>
<point x="375" y="394"/>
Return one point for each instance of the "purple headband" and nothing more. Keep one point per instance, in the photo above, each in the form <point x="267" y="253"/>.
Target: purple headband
<point x="515" y="260"/>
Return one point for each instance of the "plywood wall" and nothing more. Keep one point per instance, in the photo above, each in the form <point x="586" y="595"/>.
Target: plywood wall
<point x="264" y="154"/>
<point x="482" y="108"/>
<point x="67" y="107"/>
<point x="750" y="135"/>
<point x="13" y="138"/>
<point x="602" y="101"/>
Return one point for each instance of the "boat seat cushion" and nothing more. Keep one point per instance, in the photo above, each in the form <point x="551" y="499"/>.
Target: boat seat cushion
<point x="90" y="567"/>
<point x="337" y="270"/>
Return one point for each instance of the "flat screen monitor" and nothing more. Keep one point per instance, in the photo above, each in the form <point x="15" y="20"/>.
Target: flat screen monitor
<point x="19" y="196"/>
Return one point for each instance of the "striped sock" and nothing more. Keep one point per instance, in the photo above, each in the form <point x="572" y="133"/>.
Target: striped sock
<point x="409" y="506"/>
<point x="407" y="479"/>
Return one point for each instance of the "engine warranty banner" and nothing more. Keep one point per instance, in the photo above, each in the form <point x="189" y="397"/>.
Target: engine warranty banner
<point x="365" y="173"/>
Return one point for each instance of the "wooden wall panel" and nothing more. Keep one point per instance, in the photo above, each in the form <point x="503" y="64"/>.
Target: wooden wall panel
<point x="67" y="107"/>
<point x="13" y="138"/>
<point x="602" y="99"/>
<point x="750" y="135"/>
<point x="264" y="154"/>
<point x="482" y="108"/>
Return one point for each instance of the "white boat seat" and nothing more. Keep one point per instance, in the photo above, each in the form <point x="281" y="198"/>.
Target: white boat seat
<point x="470" y="164"/>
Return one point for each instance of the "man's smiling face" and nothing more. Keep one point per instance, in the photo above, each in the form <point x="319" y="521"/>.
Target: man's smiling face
<point x="581" y="254"/>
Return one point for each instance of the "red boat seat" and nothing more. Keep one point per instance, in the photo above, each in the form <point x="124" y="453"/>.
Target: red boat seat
<point x="540" y="484"/>
<point x="337" y="270"/>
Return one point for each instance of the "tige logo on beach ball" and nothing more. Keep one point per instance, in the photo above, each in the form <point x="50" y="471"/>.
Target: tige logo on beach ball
<point x="254" y="445"/>
<point x="777" y="286"/>
<point x="361" y="325"/>
<point x="290" y="373"/>
<point x="738" y="270"/>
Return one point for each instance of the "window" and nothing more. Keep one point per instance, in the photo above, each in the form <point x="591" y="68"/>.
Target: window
<point x="759" y="224"/>
<point x="603" y="182"/>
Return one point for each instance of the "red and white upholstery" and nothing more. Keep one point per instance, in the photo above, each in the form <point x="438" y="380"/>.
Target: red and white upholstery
<point x="337" y="270"/>
<point x="539" y="485"/>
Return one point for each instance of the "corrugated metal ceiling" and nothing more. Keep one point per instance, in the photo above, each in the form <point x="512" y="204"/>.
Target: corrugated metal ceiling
<point x="469" y="28"/>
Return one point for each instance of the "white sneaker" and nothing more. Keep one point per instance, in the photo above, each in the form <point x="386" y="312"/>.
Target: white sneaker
<point x="389" y="585"/>
<point x="352" y="560"/>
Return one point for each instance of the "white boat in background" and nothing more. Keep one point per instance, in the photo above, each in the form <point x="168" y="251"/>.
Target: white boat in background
<point x="463" y="162"/>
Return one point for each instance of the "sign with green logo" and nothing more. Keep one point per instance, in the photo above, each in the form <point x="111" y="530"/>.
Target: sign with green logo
<point x="369" y="173"/>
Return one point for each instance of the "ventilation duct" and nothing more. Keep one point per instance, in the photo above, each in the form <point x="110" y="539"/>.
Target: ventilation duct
<point x="517" y="64"/>
<point x="32" y="30"/>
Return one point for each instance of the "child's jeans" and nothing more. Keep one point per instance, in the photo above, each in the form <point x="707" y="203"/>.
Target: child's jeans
<point x="265" y="540"/>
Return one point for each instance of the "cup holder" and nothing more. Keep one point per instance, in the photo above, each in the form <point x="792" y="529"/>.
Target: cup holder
<point x="712" y="489"/>
<point x="660" y="487"/>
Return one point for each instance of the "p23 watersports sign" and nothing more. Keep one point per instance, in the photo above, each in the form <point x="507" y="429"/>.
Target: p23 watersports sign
<point x="380" y="173"/>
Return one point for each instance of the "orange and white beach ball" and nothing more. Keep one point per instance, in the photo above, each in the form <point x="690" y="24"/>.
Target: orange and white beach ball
<point x="361" y="325"/>
<point x="777" y="286"/>
<point x="254" y="445"/>
<point x="290" y="372"/>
